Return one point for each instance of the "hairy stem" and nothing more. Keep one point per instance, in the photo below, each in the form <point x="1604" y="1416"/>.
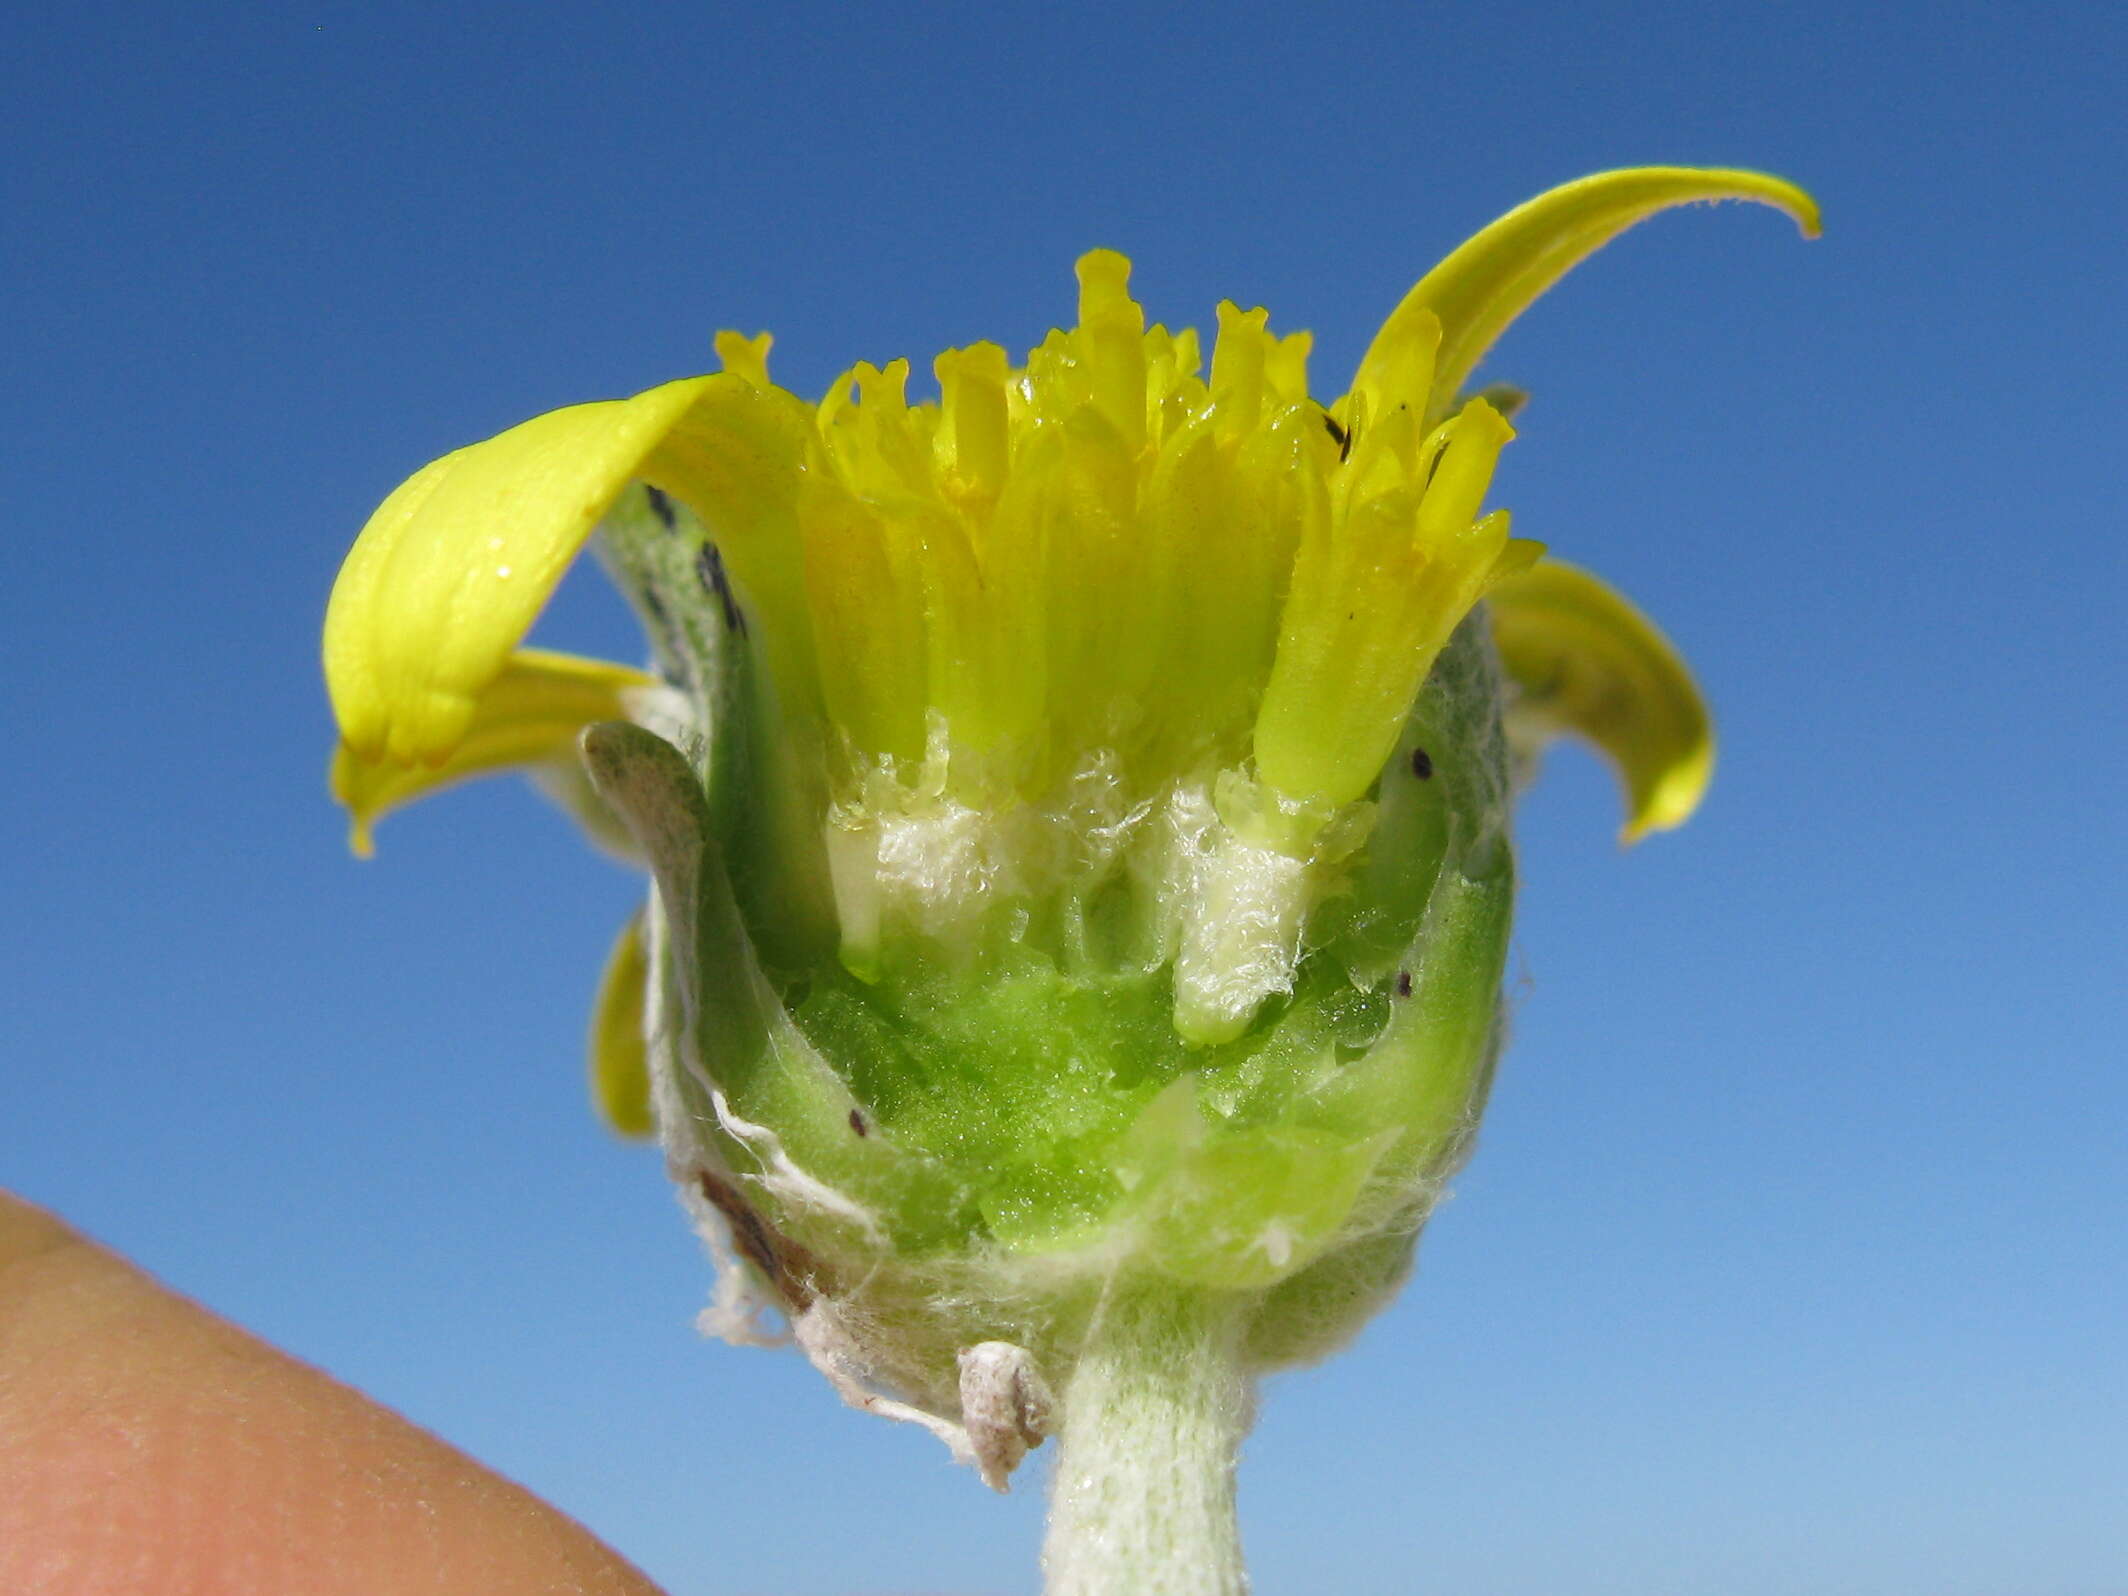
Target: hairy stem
<point x="1143" y="1499"/>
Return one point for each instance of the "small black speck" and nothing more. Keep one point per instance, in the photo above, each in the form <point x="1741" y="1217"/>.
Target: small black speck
<point x="1403" y="983"/>
<point x="660" y="506"/>
<point x="1421" y="763"/>
<point x="709" y="566"/>
<point x="1342" y="434"/>
<point x="857" y="1123"/>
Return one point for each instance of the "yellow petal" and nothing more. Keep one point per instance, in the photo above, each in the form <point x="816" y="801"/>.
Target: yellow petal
<point x="527" y="717"/>
<point x="453" y="568"/>
<point x="1494" y="277"/>
<point x="620" y="1058"/>
<point x="1589" y="663"/>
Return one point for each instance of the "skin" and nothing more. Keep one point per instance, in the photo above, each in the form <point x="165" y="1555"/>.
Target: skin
<point x="148" y="1448"/>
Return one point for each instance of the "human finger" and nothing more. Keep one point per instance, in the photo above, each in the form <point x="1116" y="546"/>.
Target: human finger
<point x="150" y="1448"/>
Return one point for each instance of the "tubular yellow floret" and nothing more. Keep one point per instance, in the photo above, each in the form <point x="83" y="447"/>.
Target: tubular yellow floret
<point x="1475" y="439"/>
<point x="1238" y="356"/>
<point x="1376" y="591"/>
<point x="974" y="441"/>
<point x="1112" y="340"/>
<point x="867" y="608"/>
<point x="1174" y="392"/>
<point x="1286" y="367"/>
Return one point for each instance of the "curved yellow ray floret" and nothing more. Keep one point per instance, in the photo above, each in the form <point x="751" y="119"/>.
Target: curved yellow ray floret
<point x="1588" y="662"/>
<point x="451" y="571"/>
<point x="1497" y="273"/>
<point x="527" y="716"/>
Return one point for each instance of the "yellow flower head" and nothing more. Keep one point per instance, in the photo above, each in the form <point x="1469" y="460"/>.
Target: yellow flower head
<point x="1107" y="548"/>
<point x="1077" y="804"/>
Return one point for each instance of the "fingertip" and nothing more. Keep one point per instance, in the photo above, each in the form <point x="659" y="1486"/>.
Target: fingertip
<point x="147" y="1445"/>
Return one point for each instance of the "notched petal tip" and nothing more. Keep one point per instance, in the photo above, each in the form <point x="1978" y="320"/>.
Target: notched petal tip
<point x="1586" y="662"/>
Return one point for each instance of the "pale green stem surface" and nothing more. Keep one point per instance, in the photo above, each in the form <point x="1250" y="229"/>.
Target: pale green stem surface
<point x="1142" y="1503"/>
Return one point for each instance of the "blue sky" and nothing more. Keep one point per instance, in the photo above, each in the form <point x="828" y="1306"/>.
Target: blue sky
<point x="1793" y="1255"/>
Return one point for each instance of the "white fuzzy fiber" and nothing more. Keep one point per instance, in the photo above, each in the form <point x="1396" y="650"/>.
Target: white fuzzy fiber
<point x="1152" y="1419"/>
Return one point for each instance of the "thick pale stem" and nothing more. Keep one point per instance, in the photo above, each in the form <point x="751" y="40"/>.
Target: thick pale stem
<point x="1143" y="1499"/>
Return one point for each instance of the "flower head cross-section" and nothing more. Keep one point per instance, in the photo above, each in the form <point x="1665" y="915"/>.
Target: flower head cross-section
<point x="1077" y="802"/>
